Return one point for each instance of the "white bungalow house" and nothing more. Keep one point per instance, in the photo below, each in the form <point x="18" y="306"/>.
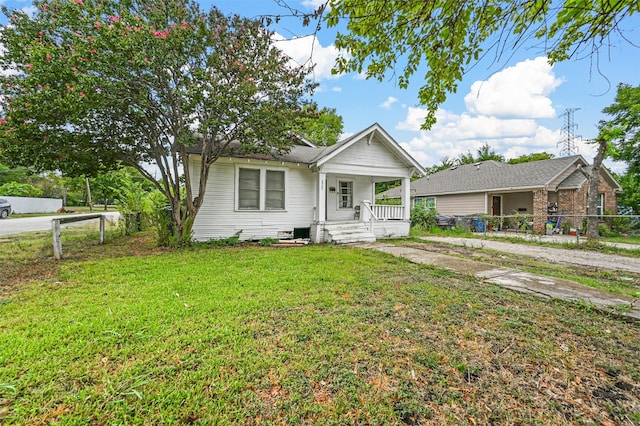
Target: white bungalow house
<point x="322" y="193"/>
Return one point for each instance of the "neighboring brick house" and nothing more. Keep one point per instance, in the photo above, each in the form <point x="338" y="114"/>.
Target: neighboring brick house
<point x="544" y="189"/>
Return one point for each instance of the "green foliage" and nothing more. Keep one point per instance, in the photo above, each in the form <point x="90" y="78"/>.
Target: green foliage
<point x="321" y="335"/>
<point x="232" y="241"/>
<point x="124" y="82"/>
<point x="389" y="201"/>
<point x="625" y="113"/>
<point x="484" y="153"/>
<point x="448" y="37"/>
<point x="526" y="158"/>
<point x="266" y="242"/>
<point x="9" y="174"/>
<point x="385" y="186"/>
<point x="321" y="127"/>
<point x="423" y="218"/>
<point x="521" y="222"/>
<point x="445" y="163"/>
<point x="17" y="189"/>
<point x="630" y="196"/>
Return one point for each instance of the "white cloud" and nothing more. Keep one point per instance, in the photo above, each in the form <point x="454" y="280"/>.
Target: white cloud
<point x="336" y="89"/>
<point x="389" y="102"/>
<point x="314" y="4"/>
<point x="415" y="118"/>
<point x="501" y="111"/>
<point x="518" y="91"/>
<point x="30" y="10"/>
<point x="308" y="50"/>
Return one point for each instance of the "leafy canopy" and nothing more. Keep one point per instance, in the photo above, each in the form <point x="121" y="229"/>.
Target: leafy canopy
<point x="94" y="85"/>
<point x="625" y="115"/>
<point x="322" y="127"/>
<point x="448" y="36"/>
<point x="526" y="158"/>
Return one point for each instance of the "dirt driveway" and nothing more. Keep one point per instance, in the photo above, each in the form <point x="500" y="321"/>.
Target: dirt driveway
<point x="549" y="254"/>
<point x="465" y="255"/>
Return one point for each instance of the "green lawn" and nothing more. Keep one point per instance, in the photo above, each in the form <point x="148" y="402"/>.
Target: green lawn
<point x="316" y="334"/>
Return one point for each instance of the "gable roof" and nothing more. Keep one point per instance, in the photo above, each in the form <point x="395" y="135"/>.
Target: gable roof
<point x="497" y="176"/>
<point x="306" y="153"/>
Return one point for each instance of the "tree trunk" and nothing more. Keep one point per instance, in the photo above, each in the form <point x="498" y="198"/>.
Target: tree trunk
<point x="592" y="199"/>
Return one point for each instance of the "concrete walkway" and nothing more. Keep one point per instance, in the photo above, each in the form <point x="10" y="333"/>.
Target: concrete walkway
<point x="549" y="254"/>
<point x="525" y="282"/>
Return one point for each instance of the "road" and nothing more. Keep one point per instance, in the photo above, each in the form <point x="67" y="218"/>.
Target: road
<point x="40" y="223"/>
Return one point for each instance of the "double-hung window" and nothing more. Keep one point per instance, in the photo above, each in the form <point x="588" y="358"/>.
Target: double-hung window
<point x="426" y="202"/>
<point x="261" y="189"/>
<point x="600" y="205"/>
<point x="345" y="194"/>
<point x="274" y="194"/>
<point x="249" y="189"/>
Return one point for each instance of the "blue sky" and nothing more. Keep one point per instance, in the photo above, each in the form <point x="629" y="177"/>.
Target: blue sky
<point x="514" y="105"/>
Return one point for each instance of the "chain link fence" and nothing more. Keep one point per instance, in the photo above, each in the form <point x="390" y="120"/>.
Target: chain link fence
<point x="559" y="224"/>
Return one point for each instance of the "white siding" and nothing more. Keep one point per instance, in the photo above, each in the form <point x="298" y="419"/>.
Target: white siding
<point x="218" y="217"/>
<point x="362" y="190"/>
<point x="371" y="159"/>
<point x="460" y="205"/>
<point x="391" y="228"/>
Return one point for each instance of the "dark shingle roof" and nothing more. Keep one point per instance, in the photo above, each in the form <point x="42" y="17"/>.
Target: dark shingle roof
<point x="491" y="176"/>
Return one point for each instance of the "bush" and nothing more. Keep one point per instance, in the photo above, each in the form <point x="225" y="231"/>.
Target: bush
<point x="135" y="207"/>
<point x="266" y="242"/>
<point x="423" y="218"/>
<point x="17" y="189"/>
<point x="226" y="242"/>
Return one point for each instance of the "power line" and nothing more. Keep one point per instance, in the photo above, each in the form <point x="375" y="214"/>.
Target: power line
<point x="568" y="141"/>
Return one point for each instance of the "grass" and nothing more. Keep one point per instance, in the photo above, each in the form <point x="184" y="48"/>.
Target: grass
<point x="597" y="246"/>
<point x="625" y="283"/>
<point x="128" y="334"/>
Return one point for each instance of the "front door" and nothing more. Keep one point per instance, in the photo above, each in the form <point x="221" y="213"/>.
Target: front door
<point x="496" y="205"/>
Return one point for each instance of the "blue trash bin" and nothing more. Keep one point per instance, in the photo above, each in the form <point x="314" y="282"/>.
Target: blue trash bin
<point x="479" y="224"/>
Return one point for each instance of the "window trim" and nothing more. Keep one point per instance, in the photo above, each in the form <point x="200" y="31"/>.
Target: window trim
<point x="339" y="194"/>
<point x="600" y="206"/>
<point x="253" y="190"/>
<point x="424" y="202"/>
<point x="262" y="188"/>
<point x="267" y="189"/>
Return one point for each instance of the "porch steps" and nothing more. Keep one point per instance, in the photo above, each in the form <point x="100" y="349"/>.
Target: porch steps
<point x="347" y="232"/>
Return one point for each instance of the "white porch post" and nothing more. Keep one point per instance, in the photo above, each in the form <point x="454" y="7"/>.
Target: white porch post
<point x="321" y="203"/>
<point x="406" y="197"/>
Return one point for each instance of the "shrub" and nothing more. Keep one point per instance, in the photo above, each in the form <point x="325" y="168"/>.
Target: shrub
<point x="266" y="242"/>
<point x="423" y="218"/>
<point x="17" y="189"/>
<point x="226" y="242"/>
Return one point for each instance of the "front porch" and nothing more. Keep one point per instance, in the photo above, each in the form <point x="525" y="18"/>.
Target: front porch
<point x="370" y="222"/>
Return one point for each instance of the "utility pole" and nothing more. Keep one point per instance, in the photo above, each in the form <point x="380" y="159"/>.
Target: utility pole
<point x="86" y="181"/>
<point x="568" y="141"/>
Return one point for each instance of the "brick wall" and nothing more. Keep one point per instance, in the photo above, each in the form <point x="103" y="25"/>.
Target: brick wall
<point x="573" y="202"/>
<point x="540" y="198"/>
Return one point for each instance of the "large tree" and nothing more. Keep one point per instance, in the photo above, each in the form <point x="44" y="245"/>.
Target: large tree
<point x="322" y="126"/>
<point x="625" y="114"/>
<point x="449" y="36"/>
<point x="535" y="156"/>
<point x="97" y="84"/>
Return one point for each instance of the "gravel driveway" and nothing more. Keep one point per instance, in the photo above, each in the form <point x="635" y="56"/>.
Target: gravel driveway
<point x="550" y="254"/>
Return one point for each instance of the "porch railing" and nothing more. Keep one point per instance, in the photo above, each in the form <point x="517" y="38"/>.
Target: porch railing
<point x="388" y="212"/>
